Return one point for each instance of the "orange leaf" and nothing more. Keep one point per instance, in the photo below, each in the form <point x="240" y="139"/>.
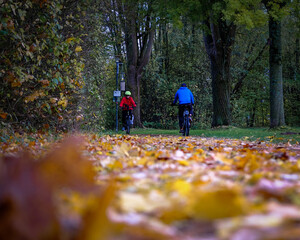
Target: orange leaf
<point x="3" y="115"/>
<point x="45" y="82"/>
<point x="66" y="167"/>
<point x="16" y="84"/>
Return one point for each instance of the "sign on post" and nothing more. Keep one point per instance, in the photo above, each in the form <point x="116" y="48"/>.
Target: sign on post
<point x="117" y="96"/>
<point x="117" y="93"/>
<point x="122" y="85"/>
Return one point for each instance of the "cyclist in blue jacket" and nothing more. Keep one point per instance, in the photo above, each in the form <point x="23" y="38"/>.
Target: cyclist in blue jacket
<point x="185" y="97"/>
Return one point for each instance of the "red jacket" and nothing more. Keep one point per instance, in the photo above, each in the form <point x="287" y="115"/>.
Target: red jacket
<point x="128" y="101"/>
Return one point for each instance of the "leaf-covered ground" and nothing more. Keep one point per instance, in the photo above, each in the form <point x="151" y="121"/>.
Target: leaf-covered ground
<point x="148" y="187"/>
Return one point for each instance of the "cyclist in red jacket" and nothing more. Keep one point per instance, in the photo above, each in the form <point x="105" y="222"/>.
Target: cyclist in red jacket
<point x="127" y="104"/>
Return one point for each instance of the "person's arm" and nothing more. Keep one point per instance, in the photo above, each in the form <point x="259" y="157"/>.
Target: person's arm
<point x="192" y="97"/>
<point x="175" y="98"/>
<point x="133" y="103"/>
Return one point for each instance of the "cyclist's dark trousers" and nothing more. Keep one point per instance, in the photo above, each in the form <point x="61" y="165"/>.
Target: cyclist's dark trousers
<point x="180" y="113"/>
<point x="124" y="113"/>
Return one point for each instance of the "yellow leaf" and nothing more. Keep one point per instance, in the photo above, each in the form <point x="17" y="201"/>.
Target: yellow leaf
<point x="200" y="151"/>
<point x="70" y="39"/>
<point x="32" y="97"/>
<point x="122" y="151"/>
<point x="221" y="157"/>
<point x="115" y="165"/>
<point x="78" y="49"/>
<point x="133" y="202"/>
<point x="182" y="187"/>
<point x="253" y="163"/>
<point x="175" y="213"/>
<point x="98" y="168"/>
<point x="96" y="224"/>
<point x="183" y="162"/>
<point x="217" y="203"/>
<point x="255" y="178"/>
<point x="142" y="161"/>
<point x="123" y="178"/>
<point x="63" y="102"/>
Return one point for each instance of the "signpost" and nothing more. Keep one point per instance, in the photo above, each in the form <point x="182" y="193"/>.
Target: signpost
<point x="117" y="92"/>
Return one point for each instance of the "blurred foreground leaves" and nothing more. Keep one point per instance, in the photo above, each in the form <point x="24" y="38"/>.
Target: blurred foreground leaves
<point x="143" y="187"/>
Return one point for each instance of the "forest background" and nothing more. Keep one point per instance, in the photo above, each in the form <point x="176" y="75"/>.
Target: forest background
<point x="58" y="61"/>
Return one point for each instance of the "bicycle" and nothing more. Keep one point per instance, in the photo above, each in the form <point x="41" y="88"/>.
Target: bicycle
<point x="186" y="119"/>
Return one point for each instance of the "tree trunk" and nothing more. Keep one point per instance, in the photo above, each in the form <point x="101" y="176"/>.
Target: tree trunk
<point x="139" y="42"/>
<point x="276" y="86"/>
<point x="252" y="118"/>
<point x="297" y="54"/>
<point x="136" y="64"/>
<point x="218" y="44"/>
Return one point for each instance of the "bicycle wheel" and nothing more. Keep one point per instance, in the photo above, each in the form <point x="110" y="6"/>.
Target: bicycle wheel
<point x="186" y="128"/>
<point x="128" y="125"/>
<point x="187" y="131"/>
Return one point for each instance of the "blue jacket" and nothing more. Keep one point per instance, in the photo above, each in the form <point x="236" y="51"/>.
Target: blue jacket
<point x="184" y="95"/>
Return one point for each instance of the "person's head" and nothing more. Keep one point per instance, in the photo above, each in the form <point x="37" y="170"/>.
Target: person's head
<point x="183" y="85"/>
<point x="127" y="94"/>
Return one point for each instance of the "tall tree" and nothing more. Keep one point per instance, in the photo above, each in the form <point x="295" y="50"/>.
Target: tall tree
<point x="218" y="42"/>
<point x="276" y="82"/>
<point x="137" y="24"/>
<point x="275" y="62"/>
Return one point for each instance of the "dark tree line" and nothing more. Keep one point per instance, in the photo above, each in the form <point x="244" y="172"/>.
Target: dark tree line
<point x="235" y="60"/>
<point x="219" y="35"/>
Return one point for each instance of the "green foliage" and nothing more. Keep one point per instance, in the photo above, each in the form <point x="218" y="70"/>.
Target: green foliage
<point x="252" y="13"/>
<point x="278" y="9"/>
<point x="40" y="63"/>
<point x="248" y="13"/>
<point x="291" y="68"/>
<point x="98" y="73"/>
<point x="250" y="106"/>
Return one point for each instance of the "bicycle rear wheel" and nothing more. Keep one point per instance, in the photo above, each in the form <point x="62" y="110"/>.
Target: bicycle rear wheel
<point x="186" y="127"/>
<point x="128" y="126"/>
